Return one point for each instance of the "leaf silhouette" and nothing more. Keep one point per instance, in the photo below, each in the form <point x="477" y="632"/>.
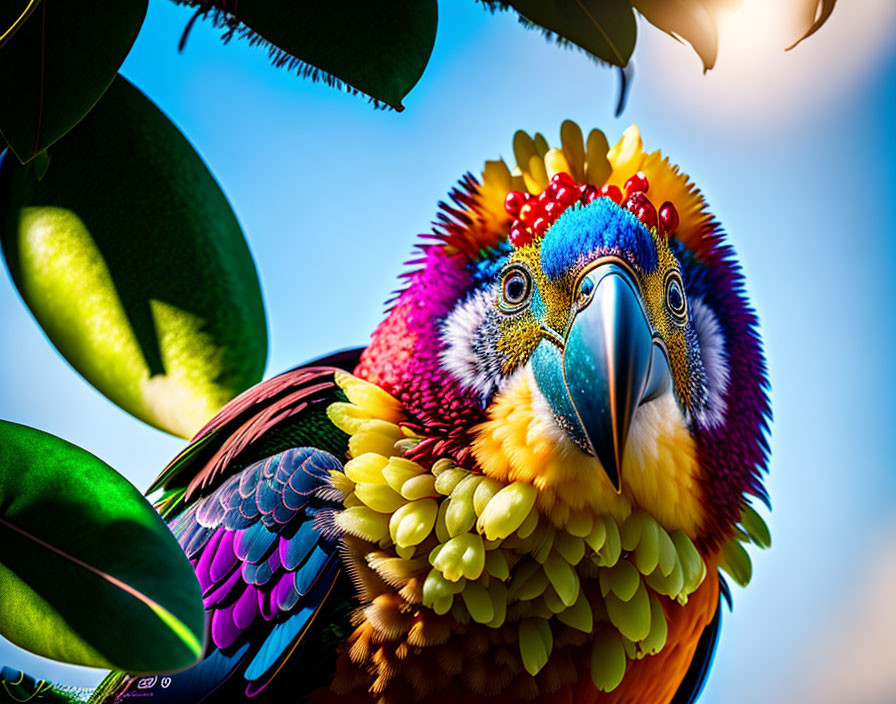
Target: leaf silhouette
<point x="376" y="48"/>
<point x="606" y="29"/>
<point x="59" y="61"/>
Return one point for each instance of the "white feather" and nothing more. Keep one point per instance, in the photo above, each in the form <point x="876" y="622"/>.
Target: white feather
<point x="715" y="363"/>
<point x="459" y="355"/>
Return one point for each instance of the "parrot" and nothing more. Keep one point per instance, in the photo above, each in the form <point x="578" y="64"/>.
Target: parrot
<point x="526" y="487"/>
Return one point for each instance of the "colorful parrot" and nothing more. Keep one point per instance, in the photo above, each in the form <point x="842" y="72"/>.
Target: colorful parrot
<point x="522" y="489"/>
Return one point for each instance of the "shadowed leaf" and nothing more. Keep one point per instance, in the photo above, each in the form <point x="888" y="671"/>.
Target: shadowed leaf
<point x="130" y="258"/>
<point x="377" y="48"/>
<point x="605" y="29"/>
<point x="58" y="63"/>
<point x="89" y="573"/>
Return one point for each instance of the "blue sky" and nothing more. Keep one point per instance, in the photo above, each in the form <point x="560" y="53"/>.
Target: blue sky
<point x="792" y="151"/>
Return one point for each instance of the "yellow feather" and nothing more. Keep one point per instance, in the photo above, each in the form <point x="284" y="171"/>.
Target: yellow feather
<point x="659" y="473"/>
<point x="369" y="397"/>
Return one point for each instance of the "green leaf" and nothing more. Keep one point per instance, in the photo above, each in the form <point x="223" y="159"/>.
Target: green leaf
<point x="756" y="529"/>
<point x="89" y="573"/>
<point x="604" y="28"/>
<point x="58" y="63"/>
<point x="377" y="48"/>
<point x="736" y="562"/>
<point x="816" y="13"/>
<point x="130" y="258"/>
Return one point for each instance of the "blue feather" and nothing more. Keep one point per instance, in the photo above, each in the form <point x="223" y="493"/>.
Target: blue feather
<point x="310" y="571"/>
<point x="254" y="543"/>
<point x="294" y="551"/>
<point x="279" y="639"/>
<point x="601" y="226"/>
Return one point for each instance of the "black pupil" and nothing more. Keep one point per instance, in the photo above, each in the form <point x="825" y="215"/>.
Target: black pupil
<point x="515" y="289"/>
<point x="675" y="301"/>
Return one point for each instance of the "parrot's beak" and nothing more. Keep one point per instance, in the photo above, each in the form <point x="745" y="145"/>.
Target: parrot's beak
<point x="610" y="363"/>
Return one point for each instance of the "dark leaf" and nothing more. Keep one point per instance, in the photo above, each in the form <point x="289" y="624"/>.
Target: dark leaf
<point x="130" y="258"/>
<point x="816" y="13"/>
<point x="89" y="573"/>
<point x="605" y="29"/>
<point x="377" y="48"/>
<point x="58" y="63"/>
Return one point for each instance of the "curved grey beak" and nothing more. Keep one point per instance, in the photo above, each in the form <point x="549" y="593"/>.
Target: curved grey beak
<point x="608" y="366"/>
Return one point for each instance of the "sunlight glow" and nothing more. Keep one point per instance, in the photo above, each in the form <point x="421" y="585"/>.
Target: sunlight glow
<point x="754" y="79"/>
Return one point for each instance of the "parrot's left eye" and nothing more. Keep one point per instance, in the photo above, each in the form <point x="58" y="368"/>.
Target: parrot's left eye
<point x="516" y="288"/>
<point x="676" y="303"/>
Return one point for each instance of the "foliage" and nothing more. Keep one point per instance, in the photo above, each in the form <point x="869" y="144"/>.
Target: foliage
<point x="378" y="49"/>
<point x="89" y="573"/>
<point x="139" y="275"/>
<point x="54" y="75"/>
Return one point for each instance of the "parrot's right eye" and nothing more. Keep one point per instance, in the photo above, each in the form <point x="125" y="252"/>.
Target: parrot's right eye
<point x="676" y="302"/>
<point x="516" y="288"/>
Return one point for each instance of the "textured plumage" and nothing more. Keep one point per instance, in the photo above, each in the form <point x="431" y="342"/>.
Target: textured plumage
<point x="527" y="484"/>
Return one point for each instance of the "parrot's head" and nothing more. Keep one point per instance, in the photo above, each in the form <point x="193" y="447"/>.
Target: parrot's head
<point x="578" y="324"/>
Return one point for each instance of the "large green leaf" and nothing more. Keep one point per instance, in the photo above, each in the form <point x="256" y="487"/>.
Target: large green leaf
<point x="605" y="29"/>
<point x="89" y="573"/>
<point x="130" y="258"/>
<point x="58" y="63"/>
<point x="379" y="48"/>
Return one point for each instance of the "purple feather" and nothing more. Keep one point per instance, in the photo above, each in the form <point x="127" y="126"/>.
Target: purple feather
<point x="222" y="593"/>
<point x="205" y="561"/>
<point x="246" y="608"/>
<point x="224" y="630"/>
<point x="225" y="560"/>
<point x="285" y="596"/>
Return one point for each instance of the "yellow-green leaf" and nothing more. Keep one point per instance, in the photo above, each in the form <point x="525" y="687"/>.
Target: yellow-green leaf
<point x="131" y="260"/>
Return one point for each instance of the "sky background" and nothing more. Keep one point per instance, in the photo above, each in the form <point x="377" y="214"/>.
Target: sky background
<point x="793" y="151"/>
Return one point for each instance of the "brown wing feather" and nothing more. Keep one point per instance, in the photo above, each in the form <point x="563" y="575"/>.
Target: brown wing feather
<point x="216" y="450"/>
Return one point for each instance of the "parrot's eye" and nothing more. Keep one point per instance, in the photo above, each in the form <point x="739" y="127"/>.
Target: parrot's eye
<point x="675" y="300"/>
<point x="516" y="287"/>
<point x="586" y="288"/>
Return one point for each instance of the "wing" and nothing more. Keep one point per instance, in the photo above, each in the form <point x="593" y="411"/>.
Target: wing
<point x="286" y="411"/>
<point x="266" y="564"/>
<point x="249" y="501"/>
<point x="695" y="679"/>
